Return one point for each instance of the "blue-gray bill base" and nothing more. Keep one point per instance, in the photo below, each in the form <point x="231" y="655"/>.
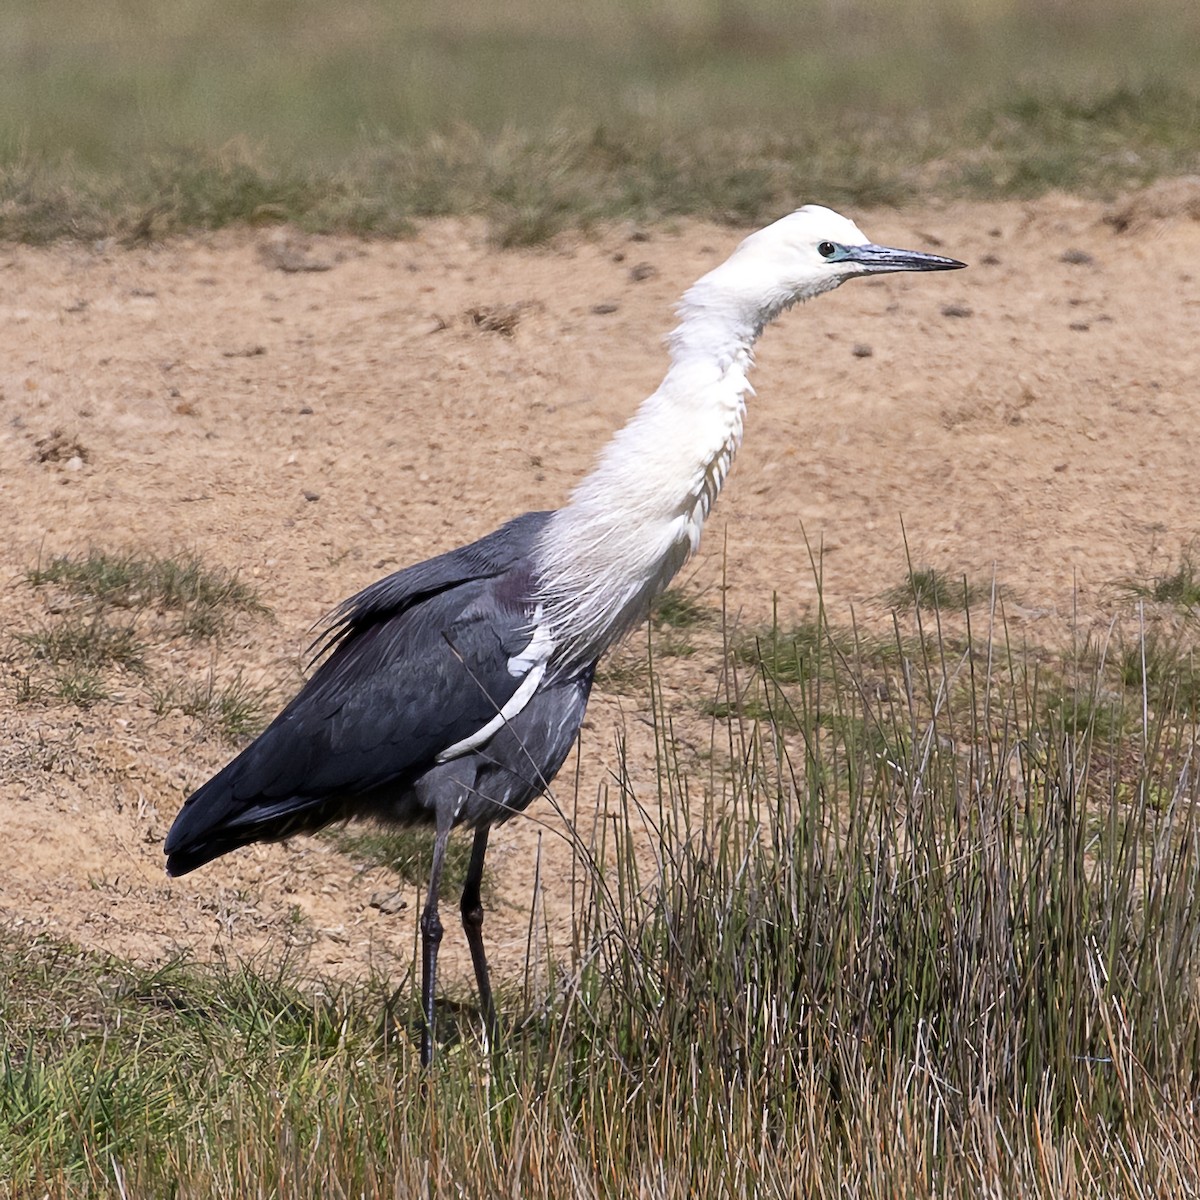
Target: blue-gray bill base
<point x="452" y="691"/>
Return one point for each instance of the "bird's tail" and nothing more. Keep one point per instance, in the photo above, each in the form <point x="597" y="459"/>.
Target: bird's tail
<point x="214" y="820"/>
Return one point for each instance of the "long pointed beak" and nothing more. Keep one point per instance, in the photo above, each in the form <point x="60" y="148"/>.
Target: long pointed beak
<point x="877" y="259"/>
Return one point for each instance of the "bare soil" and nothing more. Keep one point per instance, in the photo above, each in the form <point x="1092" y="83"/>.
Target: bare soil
<point x="1033" y="418"/>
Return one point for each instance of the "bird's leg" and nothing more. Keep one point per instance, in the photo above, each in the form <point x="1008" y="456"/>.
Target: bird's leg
<point x="431" y="939"/>
<point x="472" y="919"/>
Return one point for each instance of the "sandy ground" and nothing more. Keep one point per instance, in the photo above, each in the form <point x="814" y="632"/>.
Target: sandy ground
<point x="1035" y="416"/>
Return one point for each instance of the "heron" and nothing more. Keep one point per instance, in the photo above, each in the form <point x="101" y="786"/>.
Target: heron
<point x="451" y="692"/>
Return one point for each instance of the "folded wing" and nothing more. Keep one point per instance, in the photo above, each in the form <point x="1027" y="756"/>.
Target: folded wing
<point x="418" y="664"/>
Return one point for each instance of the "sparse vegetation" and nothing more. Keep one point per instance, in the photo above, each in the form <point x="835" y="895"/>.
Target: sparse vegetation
<point x="1179" y="587"/>
<point x="742" y="709"/>
<point x="1098" y="713"/>
<point x="204" y="598"/>
<point x="102" y="612"/>
<point x="624" y="673"/>
<point x="70" y="684"/>
<point x="678" y="609"/>
<point x="1166" y="666"/>
<point x="408" y="852"/>
<point x="675" y="617"/>
<point x="87" y="641"/>
<point x="781" y="654"/>
<point x="81" y="689"/>
<point x="234" y="710"/>
<point x="932" y="590"/>
<point x="799" y="652"/>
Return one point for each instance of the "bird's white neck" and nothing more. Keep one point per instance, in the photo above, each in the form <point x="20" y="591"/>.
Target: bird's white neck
<point x="632" y="523"/>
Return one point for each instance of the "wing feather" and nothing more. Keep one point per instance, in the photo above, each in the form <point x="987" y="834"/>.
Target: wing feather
<point x="416" y="663"/>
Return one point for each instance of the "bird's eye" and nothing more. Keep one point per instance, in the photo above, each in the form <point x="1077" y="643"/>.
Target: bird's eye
<point x="827" y="249"/>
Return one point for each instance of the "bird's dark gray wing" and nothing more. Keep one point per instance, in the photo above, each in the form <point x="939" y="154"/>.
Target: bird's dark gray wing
<point x="419" y="662"/>
<point x="498" y="552"/>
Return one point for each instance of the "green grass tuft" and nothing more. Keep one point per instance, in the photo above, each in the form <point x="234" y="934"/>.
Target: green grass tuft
<point x="1179" y="587"/>
<point x="235" y="711"/>
<point x="1098" y="714"/>
<point x="677" y="609"/>
<point x="1165" y="668"/>
<point x="82" y="689"/>
<point x="933" y="590"/>
<point x="204" y="598"/>
<point x="408" y="852"/>
<point x="623" y="672"/>
<point x="88" y="642"/>
<point x="104" y="609"/>
<point x="793" y="654"/>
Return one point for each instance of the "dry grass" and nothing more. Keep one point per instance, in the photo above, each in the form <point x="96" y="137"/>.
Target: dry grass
<point x="929" y="939"/>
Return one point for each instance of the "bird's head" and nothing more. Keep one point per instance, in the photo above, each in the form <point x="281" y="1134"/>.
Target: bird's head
<point x="814" y="249"/>
<point x="802" y="255"/>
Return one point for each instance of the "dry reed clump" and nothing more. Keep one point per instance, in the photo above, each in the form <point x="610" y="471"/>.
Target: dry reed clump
<point x="944" y="945"/>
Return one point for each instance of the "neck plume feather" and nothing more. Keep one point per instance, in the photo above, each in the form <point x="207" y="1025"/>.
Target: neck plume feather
<point x="634" y="521"/>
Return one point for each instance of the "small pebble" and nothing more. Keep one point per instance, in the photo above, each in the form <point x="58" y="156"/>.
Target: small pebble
<point x="1076" y="258"/>
<point x="311" y="496"/>
<point x="643" y="270"/>
<point x="388" y="902"/>
<point x="956" y="310"/>
<point x="604" y="309"/>
<point x="862" y="350"/>
<point x="1080" y="326"/>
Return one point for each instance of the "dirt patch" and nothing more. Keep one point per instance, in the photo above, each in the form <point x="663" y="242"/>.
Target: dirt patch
<point x="314" y="429"/>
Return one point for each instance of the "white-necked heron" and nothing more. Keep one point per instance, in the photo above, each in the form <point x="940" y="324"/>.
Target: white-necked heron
<point x="452" y="691"/>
